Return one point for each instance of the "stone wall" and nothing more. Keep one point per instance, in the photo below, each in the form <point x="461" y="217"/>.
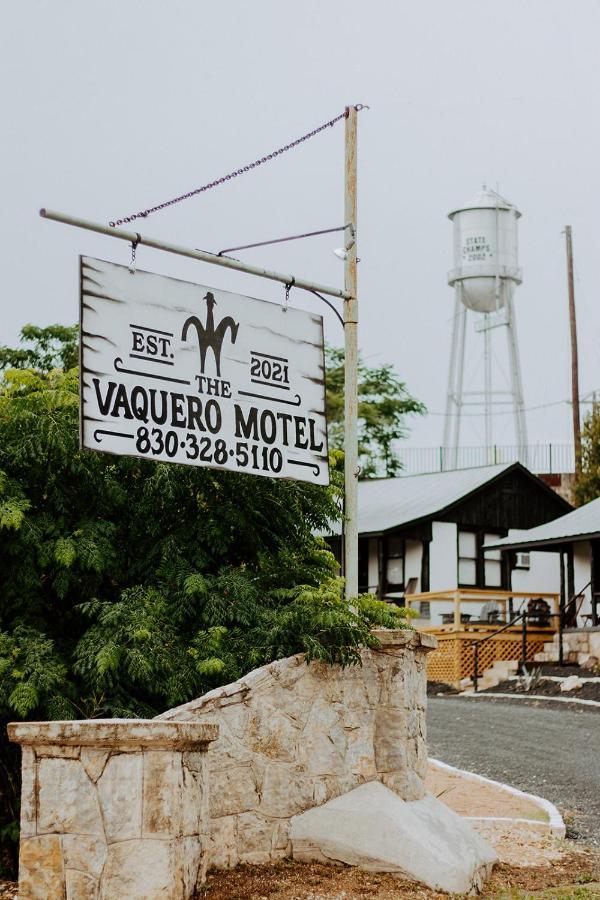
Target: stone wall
<point x="112" y="809"/>
<point x="293" y="735"/>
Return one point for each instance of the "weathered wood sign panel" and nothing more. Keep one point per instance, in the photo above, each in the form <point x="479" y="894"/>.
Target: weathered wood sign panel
<point x="185" y="373"/>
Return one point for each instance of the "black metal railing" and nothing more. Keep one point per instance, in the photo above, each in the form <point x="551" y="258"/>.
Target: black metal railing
<point x="563" y="615"/>
<point x="475" y="644"/>
<point x="563" y="618"/>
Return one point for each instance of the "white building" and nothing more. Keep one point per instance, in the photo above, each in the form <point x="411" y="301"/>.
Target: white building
<point x="425" y="533"/>
<point x="571" y="544"/>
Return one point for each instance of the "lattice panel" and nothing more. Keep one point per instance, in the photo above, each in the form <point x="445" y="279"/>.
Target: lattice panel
<point x="453" y="659"/>
<point x="443" y="664"/>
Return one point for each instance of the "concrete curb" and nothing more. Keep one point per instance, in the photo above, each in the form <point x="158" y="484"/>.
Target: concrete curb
<point x="556" y="826"/>
<point x="581" y="701"/>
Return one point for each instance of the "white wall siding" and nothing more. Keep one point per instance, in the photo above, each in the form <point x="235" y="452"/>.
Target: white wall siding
<point x="412" y="562"/>
<point x="443" y="557"/>
<point x="543" y="574"/>
<point x="582" y="565"/>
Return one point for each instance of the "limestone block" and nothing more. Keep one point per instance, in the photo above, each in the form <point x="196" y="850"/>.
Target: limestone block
<point x="67" y="801"/>
<point x="281" y="835"/>
<point x="335" y="785"/>
<point x="162" y="794"/>
<point x="360" y="755"/>
<point x="28" y="793"/>
<point x="390" y="739"/>
<point x="408" y="785"/>
<point x="285" y="791"/>
<point x="190" y="866"/>
<point x="233" y="790"/>
<point x="55" y="751"/>
<point x="322" y="750"/>
<point x="193" y="797"/>
<point x="273" y="733"/>
<point x="93" y="762"/>
<point x="84" y="852"/>
<point x="259" y="835"/>
<point x="223" y="843"/>
<point x="120" y="792"/>
<point x="80" y="886"/>
<point x="140" y="870"/>
<point x="41" y="874"/>
<point x="373" y="828"/>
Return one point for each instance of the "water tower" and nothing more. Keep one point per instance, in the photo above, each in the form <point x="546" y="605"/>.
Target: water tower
<point x="485" y="275"/>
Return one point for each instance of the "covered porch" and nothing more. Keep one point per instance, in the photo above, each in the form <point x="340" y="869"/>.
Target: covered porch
<point x="505" y="625"/>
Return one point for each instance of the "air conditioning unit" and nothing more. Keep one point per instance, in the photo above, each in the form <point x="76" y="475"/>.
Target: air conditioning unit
<point x="522" y="560"/>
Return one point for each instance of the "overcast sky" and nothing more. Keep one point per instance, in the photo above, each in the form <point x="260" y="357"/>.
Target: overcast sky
<point x="110" y="106"/>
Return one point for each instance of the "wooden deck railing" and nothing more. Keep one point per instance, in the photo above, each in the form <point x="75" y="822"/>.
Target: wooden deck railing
<point x="509" y="601"/>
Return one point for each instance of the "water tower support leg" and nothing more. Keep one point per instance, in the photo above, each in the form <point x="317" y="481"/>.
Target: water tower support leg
<point x="460" y="372"/>
<point x="451" y="408"/>
<point x="487" y="375"/>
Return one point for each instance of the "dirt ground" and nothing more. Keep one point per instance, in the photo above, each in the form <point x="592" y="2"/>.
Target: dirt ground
<point x="476" y="798"/>
<point x="590" y="690"/>
<point x="575" y="877"/>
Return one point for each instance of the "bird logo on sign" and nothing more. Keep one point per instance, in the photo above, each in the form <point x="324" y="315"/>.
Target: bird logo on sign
<point x="208" y="335"/>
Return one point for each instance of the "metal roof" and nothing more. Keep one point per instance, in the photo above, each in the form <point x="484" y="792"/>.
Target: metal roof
<point x="389" y="502"/>
<point x="580" y="525"/>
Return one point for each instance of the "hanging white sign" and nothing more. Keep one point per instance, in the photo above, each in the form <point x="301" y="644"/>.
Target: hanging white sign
<point x="184" y="373"/>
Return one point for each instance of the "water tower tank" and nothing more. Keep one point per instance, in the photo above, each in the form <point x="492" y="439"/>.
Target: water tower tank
<point x="485" y="250"/>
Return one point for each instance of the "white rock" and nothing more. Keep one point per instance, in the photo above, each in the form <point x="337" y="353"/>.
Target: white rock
<point x="572" y="683"/>
<point x="373" y="828"/>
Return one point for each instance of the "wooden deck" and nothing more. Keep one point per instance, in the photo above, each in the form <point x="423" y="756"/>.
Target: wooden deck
<point x="453" y="659"/>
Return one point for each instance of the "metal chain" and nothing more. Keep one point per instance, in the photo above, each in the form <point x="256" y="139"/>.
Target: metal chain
<point x="224" y="178"/>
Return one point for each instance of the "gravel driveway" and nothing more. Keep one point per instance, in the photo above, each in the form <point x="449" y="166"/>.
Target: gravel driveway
<point x="550" y="752"/>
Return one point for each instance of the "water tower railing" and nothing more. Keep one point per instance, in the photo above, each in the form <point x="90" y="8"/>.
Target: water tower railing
<point x="546" y="459"/>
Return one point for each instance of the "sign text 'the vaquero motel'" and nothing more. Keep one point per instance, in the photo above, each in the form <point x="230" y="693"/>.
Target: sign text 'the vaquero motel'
<point x="183" y="373"/>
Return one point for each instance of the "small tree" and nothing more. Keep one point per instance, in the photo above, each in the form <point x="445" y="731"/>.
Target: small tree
<point x="588" y="483"/>
<point x="383" y="407"/>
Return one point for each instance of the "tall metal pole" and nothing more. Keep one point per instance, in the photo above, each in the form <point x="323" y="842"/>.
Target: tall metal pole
<point x="350" y="362"/>
<point x="574" y="354"/>
<point x="515" y="376"/>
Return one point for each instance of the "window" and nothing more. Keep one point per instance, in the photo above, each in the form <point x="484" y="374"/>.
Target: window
<point x="492" y="563"/>
<point x="477" y="568"/>
<point x="467" y="558"/>
<point x="425" y="609"/>
<point x="394" y="564"/>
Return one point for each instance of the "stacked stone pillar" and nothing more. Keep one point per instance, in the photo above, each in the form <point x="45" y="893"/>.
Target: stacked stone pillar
<point x="113" y="809"/>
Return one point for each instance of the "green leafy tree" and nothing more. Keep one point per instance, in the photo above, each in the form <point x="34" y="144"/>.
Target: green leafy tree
<point x="588" y="483"/>
<point x="53" y="347"/>
<point x="129" y="586"/>
<point x="383" y="407"/>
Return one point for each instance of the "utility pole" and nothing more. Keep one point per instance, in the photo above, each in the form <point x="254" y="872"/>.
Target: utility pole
<point x="574" y="355"/>
<point x="350" y="361"/>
